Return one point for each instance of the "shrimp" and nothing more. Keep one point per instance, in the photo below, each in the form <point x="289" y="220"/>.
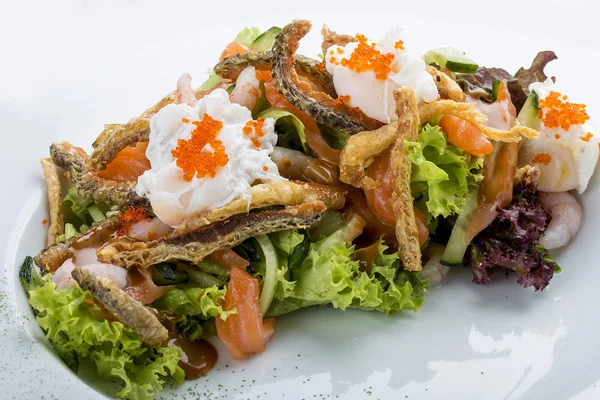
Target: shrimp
<point x="64" y="280"/>
<point x="566" y="216"/>
<point x="433" y="268"/>
<point x="185" y="93"/>
<point x="149" y="229"/>
<point x="246" y="91"/>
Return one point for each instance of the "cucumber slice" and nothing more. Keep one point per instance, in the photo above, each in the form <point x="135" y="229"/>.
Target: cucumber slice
<point x="457" y="245"/>
<point x="271" y="266"/>
<point x="454" y="60"/>
<point x="528" y="116"/>
<point x="265" y="41"/>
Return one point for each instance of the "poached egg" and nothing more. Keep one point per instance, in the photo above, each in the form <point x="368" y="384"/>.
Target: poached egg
<point x="370" y="89"/>
<point x="244" y="147"/>
<point x="567" y="150"/>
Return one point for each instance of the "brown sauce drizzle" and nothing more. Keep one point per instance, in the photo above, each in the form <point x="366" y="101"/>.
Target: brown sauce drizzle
<point x="199" y="356"/>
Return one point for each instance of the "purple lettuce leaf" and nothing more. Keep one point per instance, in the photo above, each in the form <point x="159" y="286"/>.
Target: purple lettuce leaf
<point x="535" y="73"/>
<point x="479" y="84"/>
<point x="510" y="243"/>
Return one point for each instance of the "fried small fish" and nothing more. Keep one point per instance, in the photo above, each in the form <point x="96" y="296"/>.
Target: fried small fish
<point x="195" y="246"/>
<point x="56" y="254"/>
<point x="128" y="311"/>
<point x="447" y="87"/>
<point x="115" y="137"/>
<point x="331" y="38"/>
<point x="279" y="193"/>
<point x="55" y="211"/>
<point x="359" y="152"/>
<point x="232" y="66"/>
<point x="407" y="232"/>
<point x="319" y="105"/>
<point x="90" y="185"/>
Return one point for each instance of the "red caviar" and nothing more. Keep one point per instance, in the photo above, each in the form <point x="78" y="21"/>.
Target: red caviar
<point x="152" y="235"/>
<point x="587" y="137"/>
<point x="265" y="168"/>
<point x="185" y="120"/>
<point x="344" y="99"/>
<point x="560" y="113"/>
<point x="321" y="66"/>
<point x="542" y="158"/>
<point x="130" y="217"/>
<point x="191" y="155"/>
<point x="367" y="58"/>
<point x="557" y="136"/>
<point x="255" y="127"/>
<point x="399" y="45"/>
<point x="45" y="221"/>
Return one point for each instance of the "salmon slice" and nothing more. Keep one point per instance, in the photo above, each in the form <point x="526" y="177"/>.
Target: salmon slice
<point x="128" y="165"/>
<point x="244" y="333"/>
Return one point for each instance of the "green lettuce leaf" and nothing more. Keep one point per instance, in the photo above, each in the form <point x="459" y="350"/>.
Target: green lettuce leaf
<point x="247" y="35"/>
<point x="195" y="301"/>
<point x="328" y="275"/>
<point x="80" y="213"/>
<point x="77" y="329"/>
<point x="288" y="127"/>
<point x="442" y="173"/>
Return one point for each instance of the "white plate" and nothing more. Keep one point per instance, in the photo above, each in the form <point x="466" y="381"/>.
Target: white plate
<point x="68" y="68"/>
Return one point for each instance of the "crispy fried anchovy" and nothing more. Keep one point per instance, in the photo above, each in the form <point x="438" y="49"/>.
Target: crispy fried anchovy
<point x="447" y="87"/>
<point x="115" y="137"/>
<point x="128" y="311"/>
<point x="91" y="186"/>
<point x="322" y="107"/>
<point x="56" y="226"/>
<point x="195" y="246"/>
<point x="53" y="256"/>
<point x="402" y="199"/>
<point x="331" y="38"/>
<point x="232" y="66"/>
<point x="278" y="193"/>
<point x="360" y="150"/>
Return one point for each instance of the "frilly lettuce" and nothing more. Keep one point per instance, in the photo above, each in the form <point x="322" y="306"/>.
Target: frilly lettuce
<point x="442" y="173"/>
<point x="195" y="301"/>
<point x="77" y="328"/>
<point x="328" y="275"/>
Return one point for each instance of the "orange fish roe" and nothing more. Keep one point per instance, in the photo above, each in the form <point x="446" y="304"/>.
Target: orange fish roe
<point x="185" y="120"/>
<point x="191" y="155"/>
<point x="255" y="127"/>
<point x="152" y="235"/>
<point x="557" y="136"/>
<point x="89" y="301"/>
<point x="542" y="158"/>
<point x="265" y="168"/>
<point x="344" y="99"/>
<point x="340" y="50"/>
<point x="130" y="217"/>
<point x="321" y="66"/>
<point x="45" y="221"/>
<point x="560" y="113"/>
<point x="366" y="58"/>
<point x="399" y="45"/>
<point x="587" y="137"/>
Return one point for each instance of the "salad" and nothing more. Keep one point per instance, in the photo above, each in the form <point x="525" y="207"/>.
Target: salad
<point x="356" y="179"/>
